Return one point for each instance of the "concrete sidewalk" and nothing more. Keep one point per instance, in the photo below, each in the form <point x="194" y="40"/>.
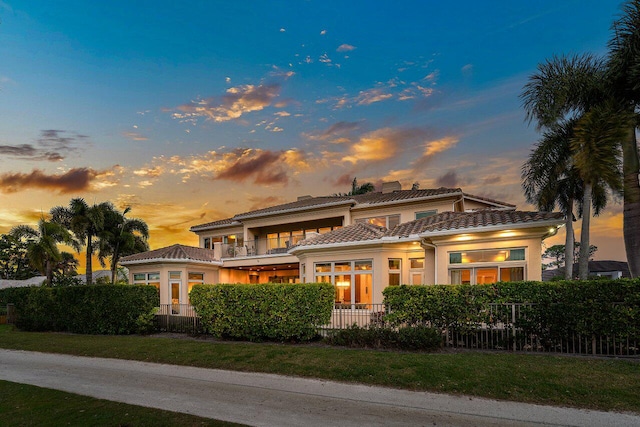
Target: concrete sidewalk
<point x="273" y="400"/>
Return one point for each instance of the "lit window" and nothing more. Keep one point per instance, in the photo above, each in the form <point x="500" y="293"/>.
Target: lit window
<point x="394" y="271"/>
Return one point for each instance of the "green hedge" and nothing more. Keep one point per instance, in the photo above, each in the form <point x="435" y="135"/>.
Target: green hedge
<point x="83" y="309"/>
<point x="420" y="338"/>
<point x="551" y="309"/>
<point x="275" y="312"/>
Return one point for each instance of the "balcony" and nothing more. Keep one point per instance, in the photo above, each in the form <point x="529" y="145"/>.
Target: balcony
<point x="257" y="247"/>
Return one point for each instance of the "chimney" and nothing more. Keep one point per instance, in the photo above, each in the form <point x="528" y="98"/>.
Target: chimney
<point x="307" y="197"/>
<point x="390" y="187"/>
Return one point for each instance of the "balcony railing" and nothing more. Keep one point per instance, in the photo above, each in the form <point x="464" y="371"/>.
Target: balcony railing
<point x="256" y="247"/>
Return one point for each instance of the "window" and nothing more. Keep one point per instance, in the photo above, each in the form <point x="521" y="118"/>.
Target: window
<point x="394" y="271"/>
<point x="492" y="265"/>
<point x="487" y="255"/>
<point x="151" y="279"/>
<point x="388" y="221"/>
<point x="353" y="281"/>
<point x="425" y="214"/>
<point x="207" y="243"/>
<point x="416" y="271"/>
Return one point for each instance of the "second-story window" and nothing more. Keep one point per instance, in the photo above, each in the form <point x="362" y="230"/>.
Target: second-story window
<point x="388" y="221"/>
<point x="207" y="243"/>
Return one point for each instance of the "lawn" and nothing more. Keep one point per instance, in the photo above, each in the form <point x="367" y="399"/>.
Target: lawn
<point x="27" y="405"/>
<point x="612" y="385"/>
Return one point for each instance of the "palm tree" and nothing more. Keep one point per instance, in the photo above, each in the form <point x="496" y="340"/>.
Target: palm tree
<point x="623" y="77"/>
<point x="85" y="222"/>
<point x="549" y="180"/>
<point x="121" y="236"/>
<point x="596" y="152"/>
<point x="42" y="249"/>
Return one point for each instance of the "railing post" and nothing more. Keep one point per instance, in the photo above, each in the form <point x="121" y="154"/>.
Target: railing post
<point x="11" y="314"/>
<point x="513" y="325"/>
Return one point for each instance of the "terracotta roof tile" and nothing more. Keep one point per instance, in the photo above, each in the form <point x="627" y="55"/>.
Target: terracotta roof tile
<point x="219" y="223"/>
<point x="174" y="252"/>
<point x="353" y="233"/>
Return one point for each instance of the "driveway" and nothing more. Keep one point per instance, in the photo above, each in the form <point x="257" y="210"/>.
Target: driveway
<point x="273" y="400"/>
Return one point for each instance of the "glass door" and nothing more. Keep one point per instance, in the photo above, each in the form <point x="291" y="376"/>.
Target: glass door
<point x="174" y="289"/>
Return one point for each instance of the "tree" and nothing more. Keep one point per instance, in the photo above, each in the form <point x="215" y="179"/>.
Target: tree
<point x="42" y="245"/>
<point x="85" y="222"/>
<point x="14" y="264"/>
<point x="596" y="153"/>
<point x="623" y="76"/>
<point x="566" y="97"/>
<point x="356" y="189"/>
<point x="120" y="237"/>
<point x="549" y="180"/>
<point x="556" y="254"/>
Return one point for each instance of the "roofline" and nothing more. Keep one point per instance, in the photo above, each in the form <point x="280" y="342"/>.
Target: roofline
<point x="171" y="260"/>
<point x="204" y="227"/>
<point x="302" y="208"/>
<point x="379" y="240"/>
<point x="482" y="199"/>
<point x="415" y="199"/>
<point x="498" y="227"/>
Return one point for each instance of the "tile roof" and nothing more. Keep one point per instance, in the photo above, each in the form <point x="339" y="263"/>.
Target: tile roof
<point x="174" y="252"/>
<point x="214" y="224"/>
<point x="446" y="221"/>
<point x="353" y="233"/>
<point x="358" y="201"/>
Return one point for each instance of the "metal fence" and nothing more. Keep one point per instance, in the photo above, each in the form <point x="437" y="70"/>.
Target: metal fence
<point x="180" y="318"/>
<point x="505" y="330"/>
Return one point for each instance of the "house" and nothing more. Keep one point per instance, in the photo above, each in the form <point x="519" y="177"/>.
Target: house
<point x="606" y="269"/>
<point x="361" y="244"/>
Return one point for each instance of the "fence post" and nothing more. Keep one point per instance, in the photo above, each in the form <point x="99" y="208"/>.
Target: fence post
<point x="513" y="325"/>
<point x="11" y="314"/>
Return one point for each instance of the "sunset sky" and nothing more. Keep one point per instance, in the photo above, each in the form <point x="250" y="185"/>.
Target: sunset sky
<point x="194" y="111"/>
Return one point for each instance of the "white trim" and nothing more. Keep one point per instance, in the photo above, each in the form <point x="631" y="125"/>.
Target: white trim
<point x="498" y="227"/>
<point x="171" y="260"/>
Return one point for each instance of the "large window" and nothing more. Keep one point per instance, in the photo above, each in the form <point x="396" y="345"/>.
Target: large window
<point x="353" y="281"/>
<point x="416" y="271"/>
<point x="395" y="269"/>
<point x="151" y="279"/>
<point x="487" y="266"/>
<point x="388" y="221"/>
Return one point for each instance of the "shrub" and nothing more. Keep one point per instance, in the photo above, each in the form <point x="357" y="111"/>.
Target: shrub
<point x="279" y="312"/>
<point x="82" y="309"/>
<point x="552" y="310"/>
<point x="405" y="338"/>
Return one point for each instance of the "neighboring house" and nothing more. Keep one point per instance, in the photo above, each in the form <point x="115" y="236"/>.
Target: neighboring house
<point x="34" y="281"/>
<point x="608" y="269"/>
<point x="361" y="244"/>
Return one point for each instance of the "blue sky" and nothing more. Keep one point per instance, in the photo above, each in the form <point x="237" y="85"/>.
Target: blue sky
<point x="194" y="111"/>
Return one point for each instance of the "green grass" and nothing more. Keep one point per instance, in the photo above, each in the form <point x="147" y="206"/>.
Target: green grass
<point x="544" y="379"/>
<point x="27" y="405"/>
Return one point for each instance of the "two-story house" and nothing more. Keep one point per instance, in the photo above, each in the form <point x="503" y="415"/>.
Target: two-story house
<point x="361" y="244"/>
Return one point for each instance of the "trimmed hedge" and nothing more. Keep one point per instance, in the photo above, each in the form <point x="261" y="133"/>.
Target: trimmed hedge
<point x="553" y="309"/>
<point x="107" y="310"/>
<point x="420" y="338"/>
<point x="275" y="312"/>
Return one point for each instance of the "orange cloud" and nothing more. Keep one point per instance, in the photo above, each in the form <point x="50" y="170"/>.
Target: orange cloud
<point x="237" y="101"/>
<point x="381" y="144"/>
<point x="73" y="181"/>
<point x="134" y="136"/>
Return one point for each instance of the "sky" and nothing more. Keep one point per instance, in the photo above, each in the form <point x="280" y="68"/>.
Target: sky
<point x="194" y="111"/>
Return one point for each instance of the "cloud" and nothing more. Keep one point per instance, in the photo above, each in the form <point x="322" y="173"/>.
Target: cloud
<point x="381" y="144"/>
<point x="52" y="145"/>
<point x="73" y="181"/>
<point x="449" y="179"/>
<point x="434" y="147"/>
<point x="323" y="32"/>
<point x="345" y="48"/>
<point x="343" y="180"/>
<point x="371" y="96"/>
<point x="263" y="168"/>
<point x="134" y="136"/>
<point x="336" y="133"/>
<point x="493" y="179"/>
<point x="149" y="172"/>
<point x="237" y="101"/>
